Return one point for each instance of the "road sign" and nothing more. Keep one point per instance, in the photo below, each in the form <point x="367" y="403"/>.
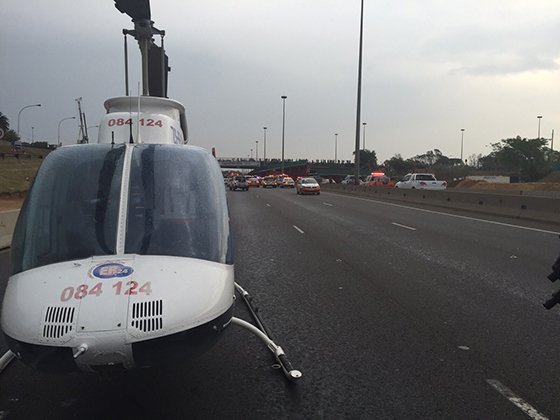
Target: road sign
<point x="1" y="134"/>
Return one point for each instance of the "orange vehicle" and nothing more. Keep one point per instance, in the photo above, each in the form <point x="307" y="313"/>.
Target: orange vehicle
<point x="379" y="179"/>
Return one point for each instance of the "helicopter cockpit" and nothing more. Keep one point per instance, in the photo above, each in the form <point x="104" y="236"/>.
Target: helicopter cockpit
<point x="173" y="207"/>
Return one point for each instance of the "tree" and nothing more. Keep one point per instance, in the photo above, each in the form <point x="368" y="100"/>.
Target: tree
<point x="4" y="123"/>
<point x="474" y="160"/>
<point x="368" y="160"/>
<point x="397" y="166"/>
<point x="432" y="158"/>
<point x="523" y="157"/>
<point x="11" y="136"/>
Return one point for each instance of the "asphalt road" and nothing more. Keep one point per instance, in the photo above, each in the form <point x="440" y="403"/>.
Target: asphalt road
<point x="389" y="312"/>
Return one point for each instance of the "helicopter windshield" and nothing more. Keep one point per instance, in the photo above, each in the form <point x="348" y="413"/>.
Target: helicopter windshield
<point x="71" y="211"/>
<point x="176" y="204"/>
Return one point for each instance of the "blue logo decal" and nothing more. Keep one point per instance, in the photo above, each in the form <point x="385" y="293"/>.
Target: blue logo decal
<point x="110" y="270"/>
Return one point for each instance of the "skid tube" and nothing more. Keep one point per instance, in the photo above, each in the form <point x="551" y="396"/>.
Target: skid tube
<point x="6" y="359"/>
<point x="261" y="332"/>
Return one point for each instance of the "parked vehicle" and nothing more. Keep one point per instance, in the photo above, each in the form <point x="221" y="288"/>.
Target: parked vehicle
<point x="307" y="186"/>
<point x="379" y="179"/>
<point x="350" y="180"/>
<point x="421" y="182"/>
<point x="269" y="181"/>
<point x="238" y="183"/>
<point x="285" y="182"/>
<point x="253" y="181"/>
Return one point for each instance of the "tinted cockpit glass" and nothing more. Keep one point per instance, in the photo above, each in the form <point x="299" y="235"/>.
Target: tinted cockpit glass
<point x="176" y="204"/>
<point x="71" y="210"/>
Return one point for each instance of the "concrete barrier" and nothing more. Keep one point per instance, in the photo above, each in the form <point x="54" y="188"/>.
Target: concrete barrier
<point x="7" y="224"/>
<point x="542" y="209"/>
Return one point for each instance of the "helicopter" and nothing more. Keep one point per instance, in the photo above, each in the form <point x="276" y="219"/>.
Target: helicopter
<point x="122" y="252"/>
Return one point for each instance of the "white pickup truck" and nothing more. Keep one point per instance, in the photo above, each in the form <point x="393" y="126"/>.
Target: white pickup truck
<point x="421" y="182"/>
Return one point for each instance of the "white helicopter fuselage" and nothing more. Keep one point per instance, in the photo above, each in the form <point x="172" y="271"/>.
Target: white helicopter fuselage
<point x="122" y="252"/>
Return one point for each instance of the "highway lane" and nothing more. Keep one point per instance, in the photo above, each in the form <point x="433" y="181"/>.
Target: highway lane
<point x="384" y="321"/>
<point x="476" y="285"/>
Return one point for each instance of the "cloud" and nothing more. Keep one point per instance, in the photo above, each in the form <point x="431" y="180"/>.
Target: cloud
<point x="497" y="50"/>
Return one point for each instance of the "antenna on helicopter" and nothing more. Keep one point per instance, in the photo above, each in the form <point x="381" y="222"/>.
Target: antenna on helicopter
<point x="83" y="125"/>
<point x="154" y="60"/>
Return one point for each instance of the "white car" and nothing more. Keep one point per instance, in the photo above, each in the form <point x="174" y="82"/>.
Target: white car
<point x="349" y="180"/>
<point x="421" y="182"/>
<point x="308" y="186"/>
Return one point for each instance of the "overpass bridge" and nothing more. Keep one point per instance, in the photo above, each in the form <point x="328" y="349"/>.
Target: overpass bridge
<point x="292" y="167"/>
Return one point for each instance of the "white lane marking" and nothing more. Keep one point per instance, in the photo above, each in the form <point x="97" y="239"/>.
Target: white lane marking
<point x="298" y="229"/>
<point x="328" y="204"/>
<point x="268" y="205"/>
<point x="451" y="215"/>
<point x="403" y="226"/>
<point x="514" y="399"/>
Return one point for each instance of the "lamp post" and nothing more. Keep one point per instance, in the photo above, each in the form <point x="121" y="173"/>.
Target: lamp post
<point x="257" y="150"/>
<point x="32" y="134"/>
<point x="251" y="153"/>
<point x="335" y="146"/>
<point x="19" y="113"/>
<point x="264" y="154"/>
<point x="462" y="133"/>
<point x="60" y="122"/>
<point x="539" y="131"/>
<point x="364" y="135"/>
<point x="283" y="127"/>
<point x="359" y="101"/>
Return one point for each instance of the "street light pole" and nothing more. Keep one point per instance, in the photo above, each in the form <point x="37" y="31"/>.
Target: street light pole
<point x="359" y="102"/>
<point x="335" y="146"/>
<point x="257" y="151"/>
<point x="251" y="153"/>
<point x="462" y="133"/>
<point x="539" y="132"/>
<point x="283" y="127"/>
<point x="60" y="122"/>
<point x="19" y="113"/>
<point x="264" y="157"/>
<point x="364" y="124"/>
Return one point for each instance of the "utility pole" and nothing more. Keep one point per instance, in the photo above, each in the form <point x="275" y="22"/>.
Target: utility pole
<point x="264" y="155"/>
<point x="359" y="102"/>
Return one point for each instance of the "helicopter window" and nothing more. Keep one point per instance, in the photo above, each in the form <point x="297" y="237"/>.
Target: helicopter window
<point x="71" y="211"/>
<point x="176" y="204"/>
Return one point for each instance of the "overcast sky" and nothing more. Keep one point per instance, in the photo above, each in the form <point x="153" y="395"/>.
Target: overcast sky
<point x="431" y="67"/>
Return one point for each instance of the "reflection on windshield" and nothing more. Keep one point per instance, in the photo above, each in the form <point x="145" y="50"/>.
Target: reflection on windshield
<point x="177" y="204"/>
<point x="71" y="211"/>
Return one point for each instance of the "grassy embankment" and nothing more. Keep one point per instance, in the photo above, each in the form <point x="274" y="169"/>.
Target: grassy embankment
<point x="16" y="175"/>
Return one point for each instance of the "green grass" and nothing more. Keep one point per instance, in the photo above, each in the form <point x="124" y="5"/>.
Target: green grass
<point x="16" y="175"/>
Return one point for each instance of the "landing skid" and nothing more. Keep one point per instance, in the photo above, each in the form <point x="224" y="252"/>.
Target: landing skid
<point x="261" y="332"/>
<point x="6" y="359"/>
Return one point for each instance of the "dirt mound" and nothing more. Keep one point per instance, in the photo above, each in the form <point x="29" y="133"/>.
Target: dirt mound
<point x="469" y="183"/>
<point x="11" y="201"/>
<point x="552" y="177"/>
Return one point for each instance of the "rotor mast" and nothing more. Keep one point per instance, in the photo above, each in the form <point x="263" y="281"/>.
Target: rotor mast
<point x="154" y="60"/>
